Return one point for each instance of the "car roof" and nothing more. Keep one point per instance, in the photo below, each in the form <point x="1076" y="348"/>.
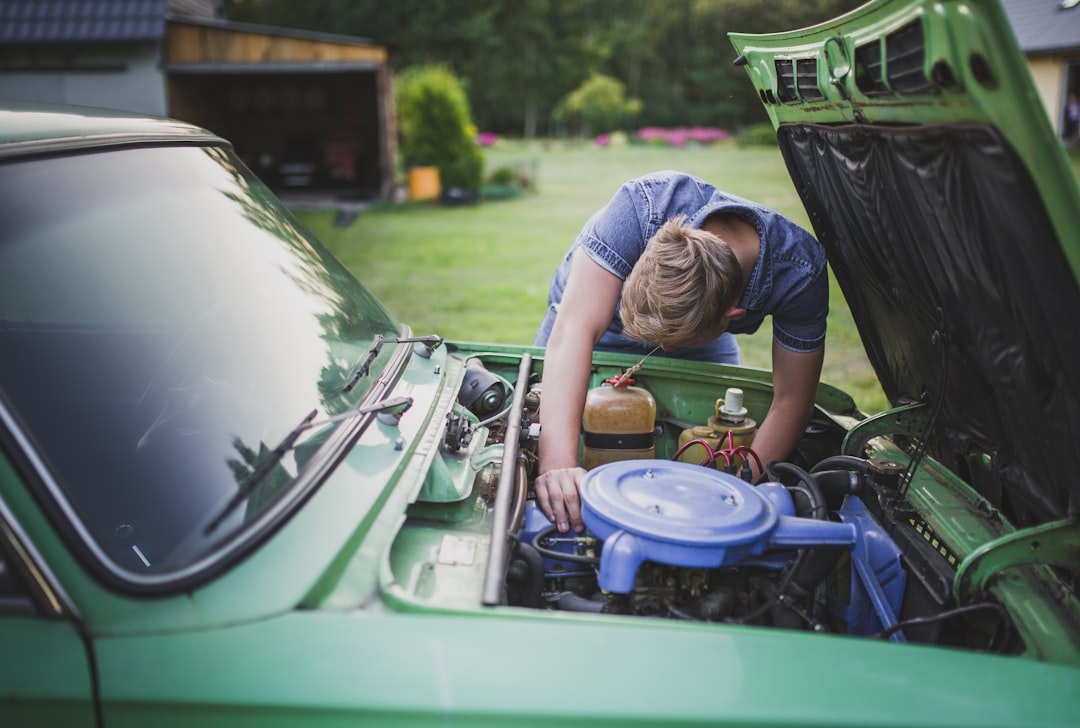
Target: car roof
<point x="31" y="129"/>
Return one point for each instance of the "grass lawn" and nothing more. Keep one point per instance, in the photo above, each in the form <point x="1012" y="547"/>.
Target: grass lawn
<point x="481" y="273"/>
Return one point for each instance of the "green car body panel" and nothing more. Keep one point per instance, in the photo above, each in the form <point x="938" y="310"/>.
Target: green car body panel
<point x="370" y="566"/>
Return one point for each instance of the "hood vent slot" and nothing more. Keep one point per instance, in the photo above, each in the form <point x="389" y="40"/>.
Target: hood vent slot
<point x="785" y="81"/>
<point x="797" y="80"/>
<point x="806" y="78"/>
<point x="868" y="76"/>
<point x="905" y="51"/>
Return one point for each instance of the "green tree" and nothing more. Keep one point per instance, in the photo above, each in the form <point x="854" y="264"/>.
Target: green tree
<point x="518" y="58"/>
<point x="435" y="126"/>
<point x="598" y="106"/>
<point x="532" y="57"/>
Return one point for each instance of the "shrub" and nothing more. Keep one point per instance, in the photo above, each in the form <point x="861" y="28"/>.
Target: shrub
<point x="503" y="176"/>
<point x="506" y="183"/>
<point x="435" y="128"/>
<point x="757" y="135"/>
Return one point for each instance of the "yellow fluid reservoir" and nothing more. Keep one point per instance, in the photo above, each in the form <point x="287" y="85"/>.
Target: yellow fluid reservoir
<point x="618" y="424"/>
<point x="730" y="417"/>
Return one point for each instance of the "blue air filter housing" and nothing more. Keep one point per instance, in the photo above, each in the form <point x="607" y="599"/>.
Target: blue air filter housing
<point x="686" y="515"/>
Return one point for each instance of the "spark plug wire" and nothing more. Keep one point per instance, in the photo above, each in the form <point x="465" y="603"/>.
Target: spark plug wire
<point x="744" y="453"/>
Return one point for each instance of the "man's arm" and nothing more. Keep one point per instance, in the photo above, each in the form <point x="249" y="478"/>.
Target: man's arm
<point x="587" y="307"/>
<point x="795" y="380"/>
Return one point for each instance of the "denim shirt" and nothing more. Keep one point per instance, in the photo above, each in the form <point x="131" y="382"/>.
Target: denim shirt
<point x="788" y="282"/>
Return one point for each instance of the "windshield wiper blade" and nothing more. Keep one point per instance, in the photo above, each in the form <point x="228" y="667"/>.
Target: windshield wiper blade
<point x="396" y="406"/>
<point x="431" y="343"/>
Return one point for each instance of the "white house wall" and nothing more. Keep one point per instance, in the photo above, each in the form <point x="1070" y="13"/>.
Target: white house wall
<point x="126" y="77"/>
<point x="1048" y="72"/>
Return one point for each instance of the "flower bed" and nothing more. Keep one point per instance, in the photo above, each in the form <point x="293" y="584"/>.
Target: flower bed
<point x="682" y="135"/>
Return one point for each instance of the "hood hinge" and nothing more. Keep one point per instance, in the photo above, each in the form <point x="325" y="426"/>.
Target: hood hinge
<point x="1049" y="544"/>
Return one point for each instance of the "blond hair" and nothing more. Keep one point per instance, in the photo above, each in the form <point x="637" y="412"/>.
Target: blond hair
<point x="684" y="282"/>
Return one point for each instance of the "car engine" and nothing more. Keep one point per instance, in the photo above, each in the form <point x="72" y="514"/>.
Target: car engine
<point x="678" y="540"/>
<point x="822" y="542"/>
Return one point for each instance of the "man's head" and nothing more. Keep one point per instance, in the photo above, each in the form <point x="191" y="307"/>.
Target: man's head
<point x="683" y="289"/>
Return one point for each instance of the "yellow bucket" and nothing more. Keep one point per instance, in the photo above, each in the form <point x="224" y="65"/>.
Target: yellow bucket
<point x="424" y="183"/>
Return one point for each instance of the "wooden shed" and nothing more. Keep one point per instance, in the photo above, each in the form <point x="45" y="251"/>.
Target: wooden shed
<point x="305" y="110"/>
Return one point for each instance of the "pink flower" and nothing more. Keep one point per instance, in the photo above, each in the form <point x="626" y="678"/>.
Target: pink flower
<point x="679" y="136"/>
<point x="650" y="132"/>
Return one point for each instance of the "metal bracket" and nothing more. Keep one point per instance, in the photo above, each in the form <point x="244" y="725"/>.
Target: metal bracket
<point x="1050" y="544"/>
<point x="909" y="419"/>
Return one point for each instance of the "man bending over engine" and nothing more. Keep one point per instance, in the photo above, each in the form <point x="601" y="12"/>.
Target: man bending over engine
<point x="673" y="262"/>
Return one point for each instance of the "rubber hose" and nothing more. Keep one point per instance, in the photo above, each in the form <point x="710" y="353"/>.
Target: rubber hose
<point x="820" y="510"/>
<point x="835" y="484"/>
<point x="571" y="602"/>
<point x="558" y="555"/>
<point x="534" y="579"/>
<point x="819" y="562"/>
<point x="842" y="462"/>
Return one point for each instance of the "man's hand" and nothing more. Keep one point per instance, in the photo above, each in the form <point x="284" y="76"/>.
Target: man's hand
<point x="557" y="494"/>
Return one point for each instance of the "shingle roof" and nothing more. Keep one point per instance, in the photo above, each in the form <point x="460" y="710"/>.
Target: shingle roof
<point x="1044" y="26"/>
<point x="81" y="21"/>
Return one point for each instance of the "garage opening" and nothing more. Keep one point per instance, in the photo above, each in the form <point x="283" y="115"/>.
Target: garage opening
<point x="308" y="112"/>
<point x="297" y="131"/>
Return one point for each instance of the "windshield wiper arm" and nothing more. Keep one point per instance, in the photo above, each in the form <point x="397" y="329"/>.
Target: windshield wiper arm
<point x="396" y="406"/>
<point x="431" y="343"/>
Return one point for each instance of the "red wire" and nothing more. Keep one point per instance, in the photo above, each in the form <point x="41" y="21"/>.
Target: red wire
<point x="713" y="454"/>
<point x="744" y="449"/>
<point x="731" y="451"/>
<point x="703" y="443"/>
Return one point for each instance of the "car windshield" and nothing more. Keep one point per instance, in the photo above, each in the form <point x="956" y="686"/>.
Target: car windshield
<point x="164" y="324"/>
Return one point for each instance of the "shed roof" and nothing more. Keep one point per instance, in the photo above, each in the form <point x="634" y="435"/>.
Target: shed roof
<point x="1045" y="26"/>
<point x="81" y="21"/>
<point x="113" y="21"/>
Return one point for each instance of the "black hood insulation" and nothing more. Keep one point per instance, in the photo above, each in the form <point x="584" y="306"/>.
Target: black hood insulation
<point x="960" y="290"/>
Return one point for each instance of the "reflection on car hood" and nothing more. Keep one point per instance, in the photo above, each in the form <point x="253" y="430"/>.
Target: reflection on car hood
<point x="932" y="176"/>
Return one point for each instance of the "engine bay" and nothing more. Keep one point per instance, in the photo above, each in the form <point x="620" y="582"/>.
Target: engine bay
<point x="824" y="542"/>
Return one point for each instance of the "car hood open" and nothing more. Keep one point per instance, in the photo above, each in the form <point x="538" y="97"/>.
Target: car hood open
<point x="949" y="211"/>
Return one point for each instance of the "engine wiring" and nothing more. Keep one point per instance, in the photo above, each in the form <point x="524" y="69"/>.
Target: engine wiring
<point x="537" y="543"/>
<point x="948" y="614"/>
<point x="744" y="453"/>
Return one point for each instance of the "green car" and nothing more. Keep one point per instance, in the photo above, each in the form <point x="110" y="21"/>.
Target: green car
<point x="234" y="489"/>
